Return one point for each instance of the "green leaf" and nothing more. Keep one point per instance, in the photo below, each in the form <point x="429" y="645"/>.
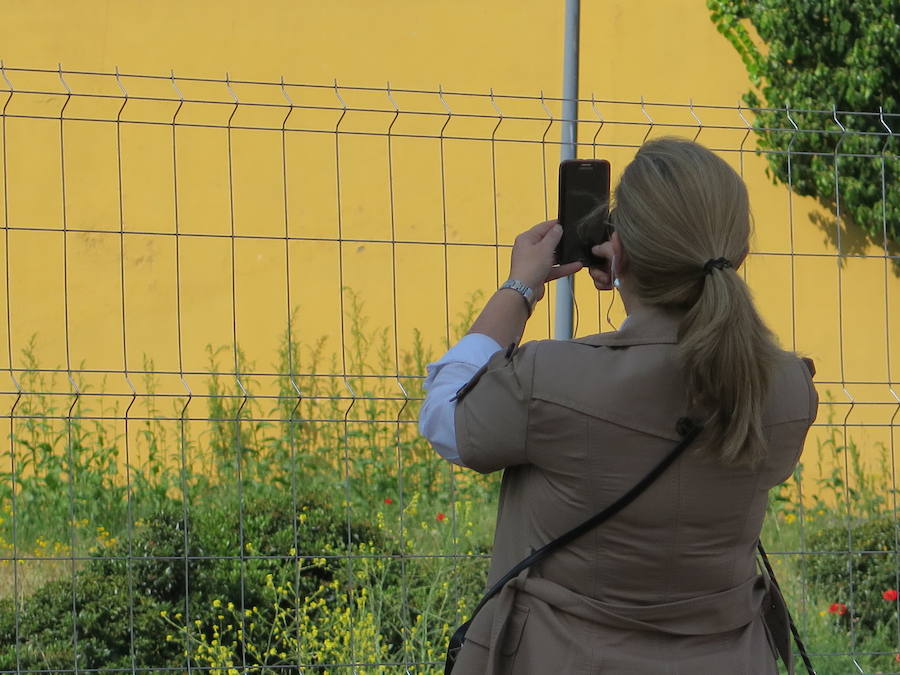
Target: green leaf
<point x="821" y="55"/>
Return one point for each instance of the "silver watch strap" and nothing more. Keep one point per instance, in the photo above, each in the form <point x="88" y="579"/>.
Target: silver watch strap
<point x="526" y="292"/>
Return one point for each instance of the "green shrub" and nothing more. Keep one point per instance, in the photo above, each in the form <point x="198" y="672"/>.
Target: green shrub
<point x="276" y="531"/>
<point x="155" y="555"/>
<point x="854" y="566"/>
<point x="99" y="603"/>
<point x="93" y="607"/>
<point x="818" y="56"/>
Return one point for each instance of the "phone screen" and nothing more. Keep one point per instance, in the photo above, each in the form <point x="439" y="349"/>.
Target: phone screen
<point x="583" y="207"/>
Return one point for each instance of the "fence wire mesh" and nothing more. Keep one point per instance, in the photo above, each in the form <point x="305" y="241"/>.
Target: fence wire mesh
<point x="169" y="503"/>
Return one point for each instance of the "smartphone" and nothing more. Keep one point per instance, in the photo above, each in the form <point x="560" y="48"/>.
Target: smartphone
<point x="583" y="208"/>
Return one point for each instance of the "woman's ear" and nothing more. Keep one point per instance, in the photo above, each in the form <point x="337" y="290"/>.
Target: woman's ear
<point x="621" y="256"/>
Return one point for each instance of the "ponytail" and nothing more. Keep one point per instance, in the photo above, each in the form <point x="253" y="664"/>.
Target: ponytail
<point x="727" y="354"/>
<point x="683" y="217"/>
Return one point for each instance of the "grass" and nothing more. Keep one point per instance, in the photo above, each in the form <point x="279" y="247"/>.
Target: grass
<point x="372" y="548"/>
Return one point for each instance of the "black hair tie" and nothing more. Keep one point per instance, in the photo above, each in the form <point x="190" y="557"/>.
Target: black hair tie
<point x="717" y="263"/>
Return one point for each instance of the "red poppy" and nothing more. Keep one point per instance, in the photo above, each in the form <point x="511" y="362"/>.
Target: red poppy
<point x="388" y="500"/>
<point x="838" y="608"/>
<point x="440" y="516"/>
<point x="897" y="658"/>
<point x="890" y="595"/>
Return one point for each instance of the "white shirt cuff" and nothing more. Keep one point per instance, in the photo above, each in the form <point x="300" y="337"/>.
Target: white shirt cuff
<point x="445" y="377"/>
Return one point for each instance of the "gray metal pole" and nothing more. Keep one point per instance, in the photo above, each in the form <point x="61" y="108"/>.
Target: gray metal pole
<point x="562" y="327"/>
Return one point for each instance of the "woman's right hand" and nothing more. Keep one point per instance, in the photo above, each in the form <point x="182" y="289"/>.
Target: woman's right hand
<point x="602" y="273"/>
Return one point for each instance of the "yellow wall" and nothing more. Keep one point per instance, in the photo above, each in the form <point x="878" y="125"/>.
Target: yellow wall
<point x="663" y="50"/>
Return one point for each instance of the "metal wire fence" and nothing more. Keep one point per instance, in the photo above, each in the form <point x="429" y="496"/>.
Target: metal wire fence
<point x="168" y="504"/>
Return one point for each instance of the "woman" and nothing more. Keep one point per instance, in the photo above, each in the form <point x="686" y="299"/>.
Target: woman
<point x="670" y="584"/>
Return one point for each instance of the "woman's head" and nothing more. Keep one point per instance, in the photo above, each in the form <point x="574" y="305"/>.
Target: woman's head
<point x="678" y="206"/>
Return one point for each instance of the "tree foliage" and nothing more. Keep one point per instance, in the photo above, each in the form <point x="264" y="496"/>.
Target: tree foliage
<point x="826" y="86"/>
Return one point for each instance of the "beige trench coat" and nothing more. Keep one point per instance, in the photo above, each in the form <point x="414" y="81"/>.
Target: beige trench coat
<point x="669" y="585"/>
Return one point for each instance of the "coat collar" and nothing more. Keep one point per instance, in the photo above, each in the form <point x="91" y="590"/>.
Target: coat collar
<point x="650" y="325"/>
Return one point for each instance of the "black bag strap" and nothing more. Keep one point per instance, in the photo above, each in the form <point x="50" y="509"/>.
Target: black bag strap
<point x="687" y="428"/>
<point x="783" y="649"/>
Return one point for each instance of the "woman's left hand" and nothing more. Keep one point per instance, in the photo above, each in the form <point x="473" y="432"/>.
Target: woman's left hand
<point x="534" y="258"/>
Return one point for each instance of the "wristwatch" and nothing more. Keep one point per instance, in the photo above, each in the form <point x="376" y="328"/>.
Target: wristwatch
<point x="525" y="291"/>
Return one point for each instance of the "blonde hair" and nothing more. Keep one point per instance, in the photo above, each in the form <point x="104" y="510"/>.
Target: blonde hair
<point x="678" y="206"/>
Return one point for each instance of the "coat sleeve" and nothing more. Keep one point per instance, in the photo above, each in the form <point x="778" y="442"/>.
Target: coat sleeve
<point x="492" y="411"/>
<point x="813" y="394"/>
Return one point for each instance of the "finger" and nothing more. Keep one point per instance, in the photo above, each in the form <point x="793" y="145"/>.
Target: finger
<point x="564" y="270"/>
<point x="599" y="274"/>
<point x="604" y="250"/>
<point x="539" y="231"/>
<point x="552" y="237"/>
<point x="602" y="278"/>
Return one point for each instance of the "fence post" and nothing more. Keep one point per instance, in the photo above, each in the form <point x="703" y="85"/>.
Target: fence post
<point x="562" y="328"/>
